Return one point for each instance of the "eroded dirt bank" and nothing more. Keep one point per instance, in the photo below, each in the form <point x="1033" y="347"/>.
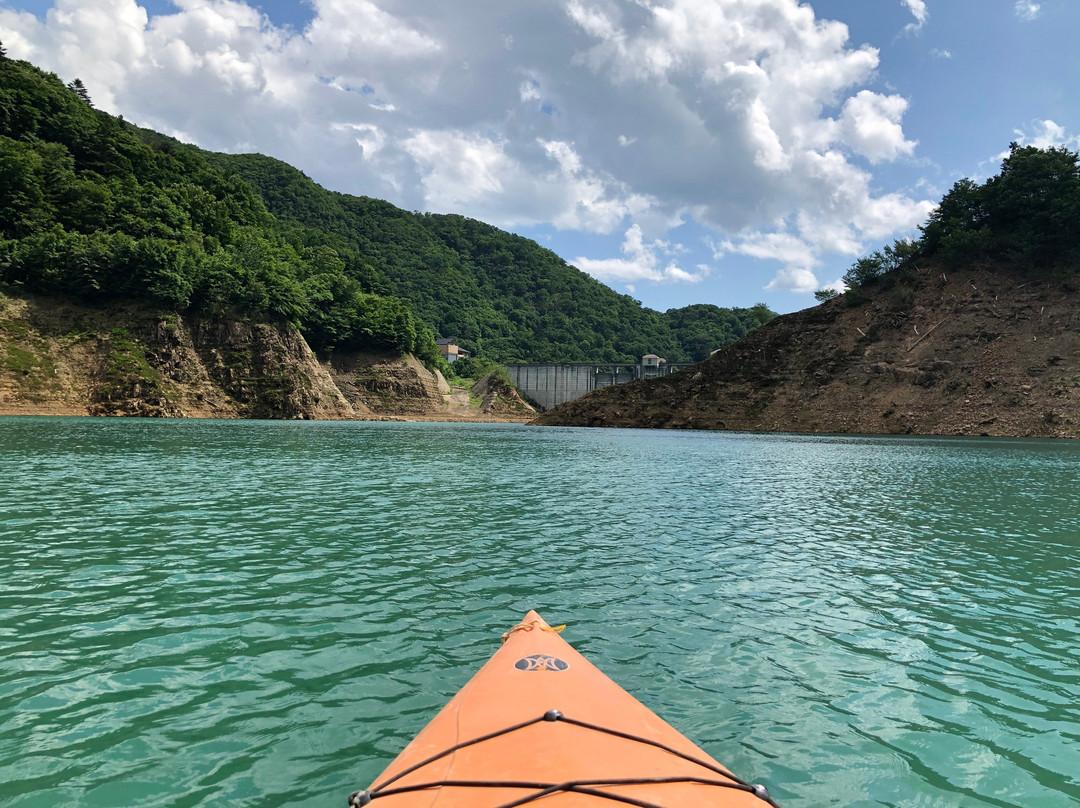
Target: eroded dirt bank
<point x="953" y="353"/>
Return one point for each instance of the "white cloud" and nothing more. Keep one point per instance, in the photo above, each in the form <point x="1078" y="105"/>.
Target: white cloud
<point x="751" y="117"/>
<point x="918" y="10"/>
<point x="457" y="168"/>
<point x="783" y="247"/>
<point x="348" y="30"/>
<point x="102" y="42"/>
<point x="368" y="137"/>
<point x="1045" y="134"/>
<point x="591" y="202"/>
<point x="643" y="261"/>
<point x="529" y="90"/>
<point x="870" y="124"/>
<point x="1027" y="10"/>
<point x="793" y="279"/>
<point x="797" y="256"/>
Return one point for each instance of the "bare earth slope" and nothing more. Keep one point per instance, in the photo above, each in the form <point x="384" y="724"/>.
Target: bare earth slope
<point x="960" y="353"/>
<point x="388" y="385"/>
<point x="58" y="358"/>
<point x="499" y="398"/>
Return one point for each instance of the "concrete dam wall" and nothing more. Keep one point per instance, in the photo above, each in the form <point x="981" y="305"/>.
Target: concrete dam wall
<point x="547" y="386"/>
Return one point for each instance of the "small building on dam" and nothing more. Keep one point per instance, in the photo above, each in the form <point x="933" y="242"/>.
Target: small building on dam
<point x="548" y="385"/>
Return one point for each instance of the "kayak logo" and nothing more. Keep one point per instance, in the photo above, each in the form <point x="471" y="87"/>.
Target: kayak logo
<point x="541" y="662"/>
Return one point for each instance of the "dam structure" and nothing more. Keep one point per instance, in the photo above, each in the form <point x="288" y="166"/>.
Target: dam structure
<point x="548" y="385"/>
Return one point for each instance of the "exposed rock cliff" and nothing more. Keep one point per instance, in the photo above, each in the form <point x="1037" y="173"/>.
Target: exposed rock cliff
<point x="126" y="360"/>
<point x="59" y="358"/>
<point x="499" y="397"/>
<point x="956" y="353"/>
<point x="389" y="385"/>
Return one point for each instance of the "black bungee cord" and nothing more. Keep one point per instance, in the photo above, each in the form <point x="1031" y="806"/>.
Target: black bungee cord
<point x="358" y="799"/>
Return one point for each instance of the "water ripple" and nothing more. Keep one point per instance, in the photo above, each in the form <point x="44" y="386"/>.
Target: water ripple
<point x="256" y="613"/>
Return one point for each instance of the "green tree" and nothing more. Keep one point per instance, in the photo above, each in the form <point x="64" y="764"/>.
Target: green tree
<point x="80" y="90"/>
<point x="1025" y="215"/>
<point x="1033" y="206"/>
<point x="957" y="229"/>
<point x="762" y="313"/>
<point x="22" y="196"/>
<point x="887" y="262"/>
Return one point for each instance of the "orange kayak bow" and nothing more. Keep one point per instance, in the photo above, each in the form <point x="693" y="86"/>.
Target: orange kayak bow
<point x="539" y="721"/>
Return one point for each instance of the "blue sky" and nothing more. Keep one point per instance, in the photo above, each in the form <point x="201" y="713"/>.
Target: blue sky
<point x="681" y="151"/>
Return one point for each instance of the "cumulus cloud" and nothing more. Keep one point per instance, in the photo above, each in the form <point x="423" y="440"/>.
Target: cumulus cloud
<point x="784" y="247"/>
<point x="349" y="30"/>
<point x="590" y="201"/>
<point x="1027" y="10"/>
<point x="1042" y="134"/>
<point x="102" y="42"/>
<point x="797" y="255"/>
<point x="751" y="117"/>
<point x="794" y="279"/>
<point x="642" y="260"/>
<point x="871" y="125"/>
<point x="456" y="168"/>
<point x="836" y="285"/>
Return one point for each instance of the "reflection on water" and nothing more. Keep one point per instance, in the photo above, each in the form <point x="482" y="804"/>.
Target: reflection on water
<point x="257" y="613"/>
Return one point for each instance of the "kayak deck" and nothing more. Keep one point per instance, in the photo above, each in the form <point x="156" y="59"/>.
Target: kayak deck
<point x="539" y="721"/>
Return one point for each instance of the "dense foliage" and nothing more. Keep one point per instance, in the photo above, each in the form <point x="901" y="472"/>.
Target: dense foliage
<point x="500" y="295"/>
<point x="92" y="210"/>
<point x="95" y="208"/>
<point x="1025" y="217"/>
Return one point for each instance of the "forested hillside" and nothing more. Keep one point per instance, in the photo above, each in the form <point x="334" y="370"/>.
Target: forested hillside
<point x="501" y="295"/>
<point x="96" y="210"/>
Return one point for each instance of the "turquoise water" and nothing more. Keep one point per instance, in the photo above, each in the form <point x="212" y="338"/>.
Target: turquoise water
<point x="201" y="613"/>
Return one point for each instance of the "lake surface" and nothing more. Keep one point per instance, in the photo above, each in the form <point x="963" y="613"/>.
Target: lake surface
<point x="201" y="613"/>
